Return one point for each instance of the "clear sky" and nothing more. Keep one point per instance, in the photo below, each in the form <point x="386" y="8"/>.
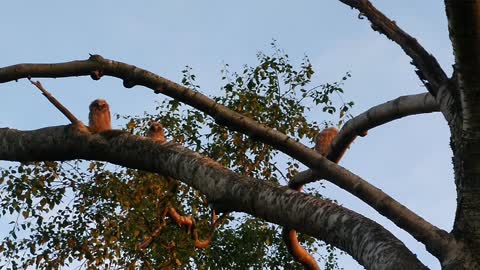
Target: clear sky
<point x="410" y="159"/>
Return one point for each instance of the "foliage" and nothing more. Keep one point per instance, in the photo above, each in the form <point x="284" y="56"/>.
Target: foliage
<point x="95" y="215"/>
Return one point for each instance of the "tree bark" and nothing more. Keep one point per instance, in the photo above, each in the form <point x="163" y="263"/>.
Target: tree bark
<point x="368" y="242"/>
<point x="436" y="240"/>
<point x="464" y="28"/>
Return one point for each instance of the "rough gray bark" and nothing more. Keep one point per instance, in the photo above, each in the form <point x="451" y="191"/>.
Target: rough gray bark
<point x="463" y="21"/>
<point x="368" y="242"/>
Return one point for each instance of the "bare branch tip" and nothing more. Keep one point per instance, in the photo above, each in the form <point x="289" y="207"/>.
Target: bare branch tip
<point x="37" y="84"/>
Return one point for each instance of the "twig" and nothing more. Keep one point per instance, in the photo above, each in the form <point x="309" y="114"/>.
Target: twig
<point x="55" y="102"/>
<point x="145" y="243"/>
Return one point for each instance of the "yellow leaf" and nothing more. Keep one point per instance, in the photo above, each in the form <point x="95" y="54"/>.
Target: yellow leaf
<point x="131" y="125"/>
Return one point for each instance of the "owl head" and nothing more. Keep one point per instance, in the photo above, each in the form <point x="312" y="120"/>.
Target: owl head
<point x="99" y="105"/>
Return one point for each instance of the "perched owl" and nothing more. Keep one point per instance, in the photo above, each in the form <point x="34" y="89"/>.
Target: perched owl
<point x="324" y="140"/>
<point x="99" y="116"/>
<point x="156" y="132"/>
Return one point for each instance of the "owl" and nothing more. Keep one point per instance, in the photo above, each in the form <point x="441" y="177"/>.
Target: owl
<point x="99" y="116"/>
<point x="324" y="139"/>
<point x="156" y="132"/>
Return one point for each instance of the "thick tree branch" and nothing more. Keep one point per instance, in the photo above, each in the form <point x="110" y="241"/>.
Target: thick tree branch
<point x="373" y="117"/>
<point x="436" y="240"/>
<point x="428" y="69"/>
<point x="368" y="242"/>
<point x="463" y="25"/>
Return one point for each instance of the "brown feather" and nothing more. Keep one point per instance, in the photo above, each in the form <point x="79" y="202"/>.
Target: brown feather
<point x="324" y="139"/>
<point x="156" y="132"/>
<point x="99" y="116"/>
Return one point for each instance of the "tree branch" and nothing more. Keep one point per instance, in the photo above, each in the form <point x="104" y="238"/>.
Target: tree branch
<point x="373" y="117"/>
<point x="428" y="69"/>
<point x="55" y="102"/>
<point x="368" y="242"/>
<point x="463" y="26"/>
<point x="436" y="240"/>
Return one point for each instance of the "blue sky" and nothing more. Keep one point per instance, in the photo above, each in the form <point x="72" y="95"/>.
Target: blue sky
<point x="410" y="159"/>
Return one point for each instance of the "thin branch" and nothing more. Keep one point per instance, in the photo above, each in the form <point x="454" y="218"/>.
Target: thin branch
<point x="181" y="221"/>
<point x="373" y="117"/>
<point x="429" y="70"/>
<point x="435" y="239"/>
<point x="55" y="102"/>
<point x="148" y="240"/>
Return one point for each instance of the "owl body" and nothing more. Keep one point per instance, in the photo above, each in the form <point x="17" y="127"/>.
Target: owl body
<point x="99" y="116"/>
<point x="324" y="139"/>
<point x="156" y="132"/>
